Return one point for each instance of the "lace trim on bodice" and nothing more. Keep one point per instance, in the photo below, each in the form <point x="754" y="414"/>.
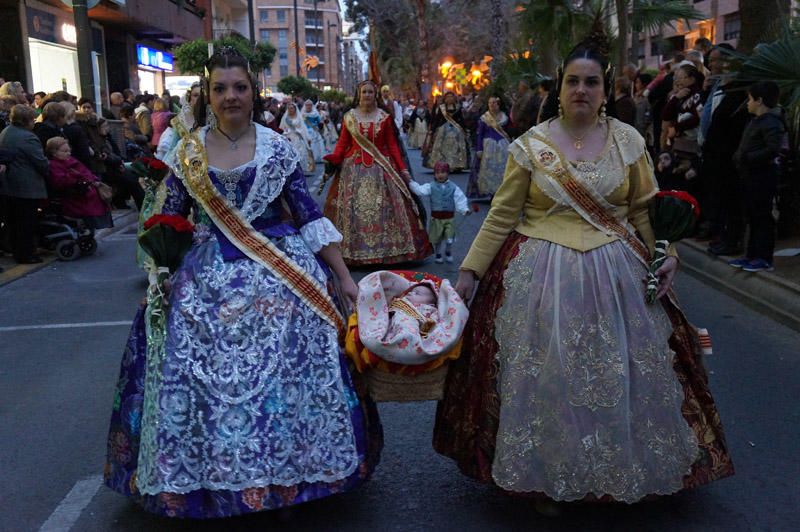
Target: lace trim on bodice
<point x="275" y="160"/>
<point x="605" y="174"/>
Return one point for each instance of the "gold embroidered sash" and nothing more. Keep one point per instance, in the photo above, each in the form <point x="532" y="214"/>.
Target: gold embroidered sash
<point x="351" y="123"/>
<point x="490" y="121"/>
<point x="194" y="174"/>
<point x="584" y="200"/>
<point x="447" y="116"/>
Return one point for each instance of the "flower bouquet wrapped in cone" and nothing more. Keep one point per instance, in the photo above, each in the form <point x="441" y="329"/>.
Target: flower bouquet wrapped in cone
<point x="673" y="214"/>
<point x="166" y="239"/>
<point x="151" y="173"/>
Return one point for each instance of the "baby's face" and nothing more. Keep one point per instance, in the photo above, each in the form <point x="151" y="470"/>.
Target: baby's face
<point x="421" y="295"/>
<point x="664" y="159"/>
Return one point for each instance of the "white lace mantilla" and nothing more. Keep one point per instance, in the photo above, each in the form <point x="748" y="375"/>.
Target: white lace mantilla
<point x="275" y="158"/>
<point x="320" y="233"/>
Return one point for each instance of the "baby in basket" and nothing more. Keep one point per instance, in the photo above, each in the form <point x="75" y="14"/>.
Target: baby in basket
<point x="409" y="322"/>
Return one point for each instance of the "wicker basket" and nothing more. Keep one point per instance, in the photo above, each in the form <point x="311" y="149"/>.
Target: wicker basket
<point x="384" y="386"/>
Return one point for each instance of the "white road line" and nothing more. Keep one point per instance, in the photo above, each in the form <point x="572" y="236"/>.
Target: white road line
<point x="69" y="510"/>
<point x="65" y="326"/>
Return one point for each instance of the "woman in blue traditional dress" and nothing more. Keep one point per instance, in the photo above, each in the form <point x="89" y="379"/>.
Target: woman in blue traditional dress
<point x="252" y="406"/>
<point x="491" y="152"/>
<point x="313" y="122"/>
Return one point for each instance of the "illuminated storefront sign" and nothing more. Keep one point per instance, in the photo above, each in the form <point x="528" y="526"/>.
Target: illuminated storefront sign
<point x="154" y="58"/>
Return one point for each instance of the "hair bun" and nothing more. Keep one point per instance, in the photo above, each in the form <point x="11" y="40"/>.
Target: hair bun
<point x="597" y="40"/>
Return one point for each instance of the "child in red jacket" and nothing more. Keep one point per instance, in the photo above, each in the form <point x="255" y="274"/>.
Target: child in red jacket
<point x="76" y="186"/>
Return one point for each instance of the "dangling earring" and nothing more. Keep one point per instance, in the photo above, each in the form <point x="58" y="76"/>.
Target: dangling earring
<point x="560" y="110"/>
<point x="211" y="118"/>
<point x="603" y="114"/>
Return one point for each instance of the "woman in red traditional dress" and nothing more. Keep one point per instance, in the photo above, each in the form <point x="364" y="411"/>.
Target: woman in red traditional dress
<point x="570" y="385"/>
<point x="369" y="201"/>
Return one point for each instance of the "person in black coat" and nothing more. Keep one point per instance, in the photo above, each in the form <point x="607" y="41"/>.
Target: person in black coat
<point x="24" y="183"/>
<point x="722" y="121"/>
<point x="77" y="137"/>
<point x="54" y="117"/>
<point x="756" y="159"/>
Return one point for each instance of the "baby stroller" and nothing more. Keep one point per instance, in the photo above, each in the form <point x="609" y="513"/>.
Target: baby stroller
<point x="402" y="354"/>
<point x="68" y="237"/>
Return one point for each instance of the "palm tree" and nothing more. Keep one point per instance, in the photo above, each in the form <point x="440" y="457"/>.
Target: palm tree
<point x="558" y="24"/>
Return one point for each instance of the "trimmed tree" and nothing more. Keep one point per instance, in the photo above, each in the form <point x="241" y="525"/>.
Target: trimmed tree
<point x="298" y="86"/>
<point x="191" y="56"/>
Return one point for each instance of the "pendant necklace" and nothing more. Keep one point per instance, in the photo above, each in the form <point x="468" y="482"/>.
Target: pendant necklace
<point x="578" y="140"/>
<point x="234" y="141"/>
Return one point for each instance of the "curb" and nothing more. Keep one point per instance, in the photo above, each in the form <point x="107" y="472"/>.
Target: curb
<point x="766" y="292"/>
<point x="121" y="222"/>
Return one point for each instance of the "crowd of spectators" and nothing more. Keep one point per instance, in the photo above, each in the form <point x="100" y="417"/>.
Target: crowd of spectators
<point x="83" y="154"/>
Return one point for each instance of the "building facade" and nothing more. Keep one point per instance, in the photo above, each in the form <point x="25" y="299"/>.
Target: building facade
<point x="353" y="66"/>
<point x="301" y="31"/>
<point x="722" y="24"/>
<point x="130" y="43"/>
<point x="229" y="16"/>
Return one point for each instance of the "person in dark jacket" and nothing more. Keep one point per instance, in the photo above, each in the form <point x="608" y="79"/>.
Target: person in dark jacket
<point x="756" y="159"/>
<point x="54" y="117"/>
<point x="658" y="96"/>
<point x="24" y="183"/>
<point x="76" y="135"/>
<point x="722" y="121"/>
<point x="626" y="108"/>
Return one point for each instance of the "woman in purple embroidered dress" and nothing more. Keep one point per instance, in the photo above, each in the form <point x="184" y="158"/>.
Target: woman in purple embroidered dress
<point x="255" y="408"/>
<point x="491" y="152"/>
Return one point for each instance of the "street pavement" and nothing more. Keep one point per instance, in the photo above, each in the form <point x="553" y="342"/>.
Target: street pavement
<point x="63" y="329"/>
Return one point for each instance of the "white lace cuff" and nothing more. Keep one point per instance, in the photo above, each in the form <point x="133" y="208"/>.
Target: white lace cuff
<point x="320" y="233"/>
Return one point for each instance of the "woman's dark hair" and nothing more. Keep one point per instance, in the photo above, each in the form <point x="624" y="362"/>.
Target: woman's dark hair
<point x="53" y="111"/>
<point x="594" y="48"/>
<point x="546" y="84"/>
<point x="768" y="91"/>
<point x="126" y="111"/>
<point x="227" y="57"/>
<point x="692" y="72"/>
<point x="85" y="100"/>
<point x="644" y="78"/>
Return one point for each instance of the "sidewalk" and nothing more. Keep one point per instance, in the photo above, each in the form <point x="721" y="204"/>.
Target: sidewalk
<point x="776" y="293"/>
<point x="13" y="271"/>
